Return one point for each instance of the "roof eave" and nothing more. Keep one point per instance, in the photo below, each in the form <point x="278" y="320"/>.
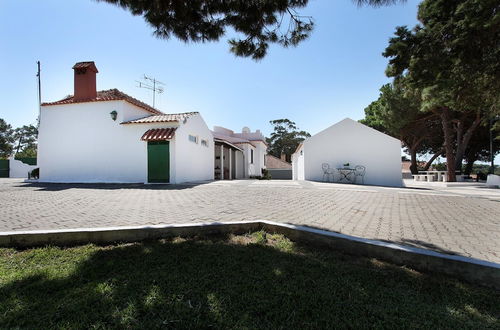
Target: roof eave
<point x="131" y="122"/>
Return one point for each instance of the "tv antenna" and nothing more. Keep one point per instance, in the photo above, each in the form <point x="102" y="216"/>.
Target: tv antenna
<point x="153" y="85"/>
<point x="38" y="76"/>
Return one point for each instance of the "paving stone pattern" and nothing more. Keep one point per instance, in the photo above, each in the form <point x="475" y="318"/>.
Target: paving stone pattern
<point x="444" y="222"/>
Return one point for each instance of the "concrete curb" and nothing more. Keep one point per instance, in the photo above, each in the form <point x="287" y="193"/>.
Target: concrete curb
<point x="468" y="269"/>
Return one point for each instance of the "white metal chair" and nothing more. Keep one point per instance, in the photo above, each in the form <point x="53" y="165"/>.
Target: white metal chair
<point x="359" y="170"/>
<point x="327" y="171"/>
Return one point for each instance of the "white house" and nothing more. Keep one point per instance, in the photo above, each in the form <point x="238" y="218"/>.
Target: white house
<point x="108" y="136"/>
<point x="349" y="141"/>
<point x="242" y="154"/>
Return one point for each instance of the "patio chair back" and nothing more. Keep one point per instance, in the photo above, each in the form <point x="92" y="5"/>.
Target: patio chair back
<point x="359" y="170"/>
<point x="327" y="172"/>
<point x="325" y="167"/>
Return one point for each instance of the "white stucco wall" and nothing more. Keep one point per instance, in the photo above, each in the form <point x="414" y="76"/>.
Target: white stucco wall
<point x="259" y="152"/>
<point x="249" y="168"/>
<point x="260" y="156"/>
<point x="194" y="162"/>
<point x="239" y="164"/>
<point x="81" y="143"/>
<point x="351" y="142"/>
<point x="298" y="164"/>
<point x="18" y="169"/>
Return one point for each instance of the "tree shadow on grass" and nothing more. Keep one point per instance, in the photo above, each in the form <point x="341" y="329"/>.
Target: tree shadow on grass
<point x="211" y="283"/>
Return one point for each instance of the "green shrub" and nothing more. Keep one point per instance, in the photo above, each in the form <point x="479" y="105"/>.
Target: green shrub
<point x="265" y="174"/>
<point x="260" y="237"/>
<point x="35" y="174"/>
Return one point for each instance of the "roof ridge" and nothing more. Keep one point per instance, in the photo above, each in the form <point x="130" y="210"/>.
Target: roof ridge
<point x="161" y="118"/>
<point x="180" y="113"/>
<point x="112" y="94"/>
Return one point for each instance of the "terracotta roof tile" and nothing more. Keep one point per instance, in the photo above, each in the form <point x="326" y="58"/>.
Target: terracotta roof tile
<point x="159" y="134"/>
<point x="108" y="95"/>
<point x="275" y="162"/>
<point x="164" y="118"/>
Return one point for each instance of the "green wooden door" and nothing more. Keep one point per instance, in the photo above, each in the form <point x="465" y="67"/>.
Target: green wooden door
<point x="158" y="162"/>
<point x="4" y="168"/>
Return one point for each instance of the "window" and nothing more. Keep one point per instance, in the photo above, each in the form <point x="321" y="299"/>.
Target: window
<point x="251" y="156"/>
<point x="204" y="143"/>
<point x="193" y="138"/>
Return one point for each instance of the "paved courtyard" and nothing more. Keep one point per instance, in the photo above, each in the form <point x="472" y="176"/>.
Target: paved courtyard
<point x="459" y="221"/>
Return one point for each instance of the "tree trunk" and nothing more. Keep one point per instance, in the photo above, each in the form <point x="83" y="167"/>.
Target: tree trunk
<point x="413" y="159"/>
<point x="19" y="144"/>
<point x="412" y="147"/>
<point x="459" y="128"/>
<point x="448" y="143"/>
<point x="470" y="163"/>
<point x="433" y="158"/>
<point x="464" y="141"/>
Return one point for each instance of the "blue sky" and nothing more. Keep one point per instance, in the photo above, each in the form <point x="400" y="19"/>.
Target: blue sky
<point x="334" y="74"/>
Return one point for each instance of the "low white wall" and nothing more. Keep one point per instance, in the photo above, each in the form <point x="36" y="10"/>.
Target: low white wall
<point x="493" y="180"/>
<point x="18" y="169"/>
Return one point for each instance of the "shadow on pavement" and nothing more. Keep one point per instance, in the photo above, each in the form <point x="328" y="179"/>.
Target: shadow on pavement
<point x="109" y="186"/>
<point x="425" y="245"/>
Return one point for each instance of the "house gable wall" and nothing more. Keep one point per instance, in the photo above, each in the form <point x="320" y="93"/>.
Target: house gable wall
<point x="81" y="143"/>
<point x="194" y="161"/>
<point x="351" y="142"/>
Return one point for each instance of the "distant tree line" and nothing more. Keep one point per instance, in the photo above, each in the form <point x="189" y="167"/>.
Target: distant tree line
<point x="445" y="95"/>
<point x="19" y="142"/>
<point x="285" y="138"/>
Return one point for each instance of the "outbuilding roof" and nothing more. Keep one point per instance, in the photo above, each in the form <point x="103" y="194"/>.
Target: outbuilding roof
<point x="163" y="118"/>
<point x="107" y="95"/>
<point x="275" y="162"/>
<point x="159" y="134"/>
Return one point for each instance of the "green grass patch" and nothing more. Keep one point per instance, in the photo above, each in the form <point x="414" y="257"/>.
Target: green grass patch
<point x="259" y="280"/>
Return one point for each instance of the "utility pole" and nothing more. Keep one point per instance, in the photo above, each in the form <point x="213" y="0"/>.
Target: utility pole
<point x="39" y="93"/>
<point x="151" y="84"/>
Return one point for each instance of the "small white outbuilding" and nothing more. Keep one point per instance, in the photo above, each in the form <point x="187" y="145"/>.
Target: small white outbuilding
<point x="109" y="136"/>
<point x="349" y="141"/>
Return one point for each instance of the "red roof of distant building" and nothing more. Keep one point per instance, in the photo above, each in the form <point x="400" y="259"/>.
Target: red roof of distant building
<point x="159" y="134"/>
<point x="275" y="162"/>
<point x="107" y="95"/>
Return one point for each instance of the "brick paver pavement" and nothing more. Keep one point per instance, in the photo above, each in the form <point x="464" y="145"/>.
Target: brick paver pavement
<point x="445" y="222"/>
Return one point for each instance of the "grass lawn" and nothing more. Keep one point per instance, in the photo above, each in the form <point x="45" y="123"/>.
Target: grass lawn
<point x="249" y="281"/>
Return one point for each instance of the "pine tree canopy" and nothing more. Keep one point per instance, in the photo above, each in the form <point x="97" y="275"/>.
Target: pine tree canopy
<point x="258" y="22"/>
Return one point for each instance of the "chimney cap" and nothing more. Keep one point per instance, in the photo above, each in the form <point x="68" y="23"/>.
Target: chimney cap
<point x="85" y="65"/>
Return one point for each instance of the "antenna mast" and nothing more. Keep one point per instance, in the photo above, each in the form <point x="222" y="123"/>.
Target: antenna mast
<point x="39" y="92"/>
<point x="153" y="85"/>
